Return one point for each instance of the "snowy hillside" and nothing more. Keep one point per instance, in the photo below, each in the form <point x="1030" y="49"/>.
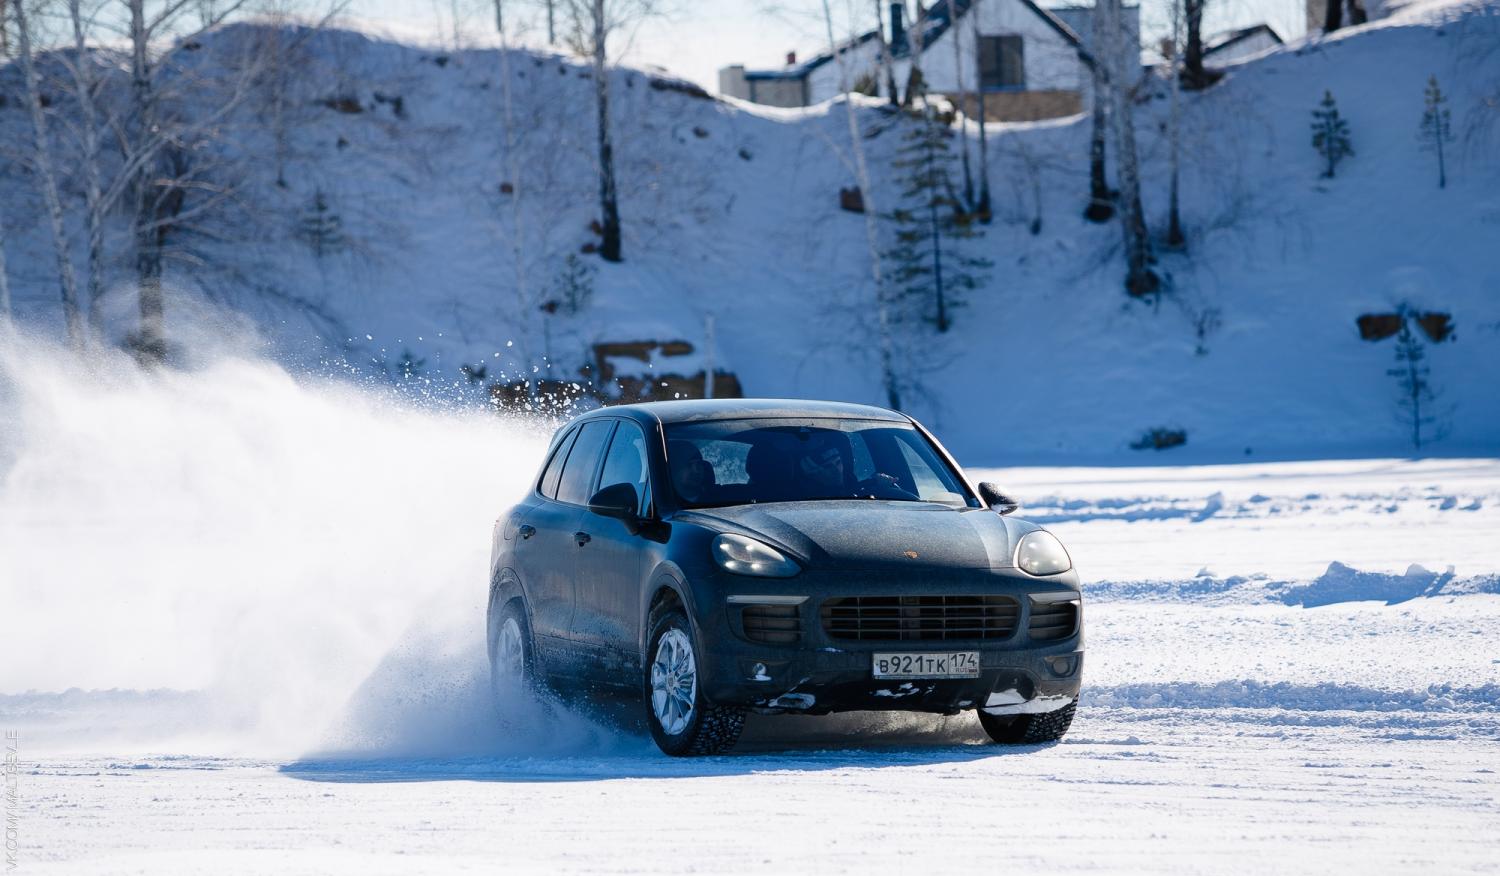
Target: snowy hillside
<point x="430" y="202"/>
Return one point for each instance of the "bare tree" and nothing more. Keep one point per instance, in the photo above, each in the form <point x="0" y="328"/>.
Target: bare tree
<point x="958" y="83"/>
<point x="872" y="227"/>
<point x="982" y="208"/>
<point x="42" y="158"/>
<point x="1175" y="238"/>
<point x="887" y="62"/>
<point x="1101" y="207"/>
<point x="916" y="38"/>
<point x="1193" y="73"/>
<point x="1119" y="74"/>
<point x="6" y="319"/>
<point x="513" y="166"/>
<point x="85" y="87"/>
<point x="161" y="146"/>
<point x="594" y="22"/>
<point x="6" y="323"/>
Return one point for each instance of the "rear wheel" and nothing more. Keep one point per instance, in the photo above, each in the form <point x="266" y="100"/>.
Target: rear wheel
<point x="682" y="721"/>
<point x="512" y="663"/>
<point x="1029" y="729"/>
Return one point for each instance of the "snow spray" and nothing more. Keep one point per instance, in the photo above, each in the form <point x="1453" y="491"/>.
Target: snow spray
<point x="225" y="559"/>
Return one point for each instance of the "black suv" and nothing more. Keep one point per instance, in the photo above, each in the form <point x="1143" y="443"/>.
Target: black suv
<point x="722" y="556"/>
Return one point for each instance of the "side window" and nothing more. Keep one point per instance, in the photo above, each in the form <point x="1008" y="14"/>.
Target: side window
<point x="583" y="459"/>
<point x="548" y="483"/>
<point x="626" y="461"/>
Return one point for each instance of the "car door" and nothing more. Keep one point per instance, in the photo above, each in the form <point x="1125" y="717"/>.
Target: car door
<point x="606" y="616"/>
<point x="549" y="549"/>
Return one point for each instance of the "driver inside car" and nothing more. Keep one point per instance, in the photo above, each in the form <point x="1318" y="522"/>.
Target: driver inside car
<point x="692" y="475"/>
<point x="822" y="466"/>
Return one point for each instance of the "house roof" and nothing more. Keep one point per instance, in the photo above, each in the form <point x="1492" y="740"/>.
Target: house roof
<point x="1229" y="38"/>
<point x="939" y="18"/>
<point x="798" y="71"/>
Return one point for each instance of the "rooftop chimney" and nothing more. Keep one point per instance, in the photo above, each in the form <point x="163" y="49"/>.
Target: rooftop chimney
<point x="791" y="58"/>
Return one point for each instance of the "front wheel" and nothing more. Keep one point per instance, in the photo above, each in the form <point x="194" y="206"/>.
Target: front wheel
<point x="1029" y="729"/>
<point x="682" y="721"/>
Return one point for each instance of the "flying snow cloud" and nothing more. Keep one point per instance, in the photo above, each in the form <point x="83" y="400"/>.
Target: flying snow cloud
<point x="246" y="556"/>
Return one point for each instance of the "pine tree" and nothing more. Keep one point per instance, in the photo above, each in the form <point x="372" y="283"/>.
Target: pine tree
<point x="1330" y="134"/>
<point x="574" y="287"/>
<point x="1412" y="381"/>
<point x="930" y="266"/>
<point x="321" y="227"/>
<point x="1436" y="130"/>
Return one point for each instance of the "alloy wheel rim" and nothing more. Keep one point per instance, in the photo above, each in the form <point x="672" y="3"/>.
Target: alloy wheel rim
<point x="510" y="655"/>
<point x="674" y="682"/>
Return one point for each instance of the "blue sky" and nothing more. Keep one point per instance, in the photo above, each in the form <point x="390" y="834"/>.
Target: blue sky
<point x="696" y="37"/>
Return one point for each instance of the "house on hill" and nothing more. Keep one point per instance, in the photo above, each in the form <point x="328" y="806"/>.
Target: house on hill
<point x="1231" y="46"/>
<point x="1027" y="60"/>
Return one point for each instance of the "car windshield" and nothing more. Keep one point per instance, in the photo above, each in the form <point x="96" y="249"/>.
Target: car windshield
<point x="739" y="462"/>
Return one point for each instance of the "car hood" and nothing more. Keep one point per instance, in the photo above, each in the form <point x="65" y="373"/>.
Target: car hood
<point x="865" y="534"/>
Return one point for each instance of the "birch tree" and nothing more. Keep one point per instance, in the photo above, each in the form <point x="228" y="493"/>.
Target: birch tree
<point x="887" y="61"/>
<point x="523" y="298"/>
<point x="958" y="81"/>
<point x="42" y="158"/>
<point x="82" y="68"/>
<point x="161" y="146"/>
<point x="982" y="208"/>
<point x="6" y="319"/>
<point x="888" y="377"/>
<point x="1118" y="72"/>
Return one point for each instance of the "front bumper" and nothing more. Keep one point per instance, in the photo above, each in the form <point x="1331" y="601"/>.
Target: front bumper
<point x="820" y="673"/>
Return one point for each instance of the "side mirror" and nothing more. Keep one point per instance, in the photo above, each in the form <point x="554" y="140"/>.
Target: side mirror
<point x="618" y="501"/>
<point x="997" y="500"/>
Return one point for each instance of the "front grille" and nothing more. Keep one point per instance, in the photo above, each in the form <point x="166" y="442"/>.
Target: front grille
<point x="1052" y="620"/>
<point x="772" y="624"/>
<point x="919" y="618"/>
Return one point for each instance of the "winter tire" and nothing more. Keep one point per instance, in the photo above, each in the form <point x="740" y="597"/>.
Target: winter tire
<point x="682" y="721"/>
<point x="1029" y="729"/>
<point x="512" y="659"/>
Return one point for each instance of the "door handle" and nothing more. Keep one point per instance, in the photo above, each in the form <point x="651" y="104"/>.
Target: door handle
<point x="527" y="530"/>
<point x="582" y="538"/>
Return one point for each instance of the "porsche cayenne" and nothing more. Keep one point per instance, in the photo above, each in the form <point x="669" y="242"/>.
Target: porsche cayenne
<point x="718" y="557"/>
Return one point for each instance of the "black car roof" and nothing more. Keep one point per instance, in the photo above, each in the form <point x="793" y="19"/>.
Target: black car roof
<point x="693" y="410"/>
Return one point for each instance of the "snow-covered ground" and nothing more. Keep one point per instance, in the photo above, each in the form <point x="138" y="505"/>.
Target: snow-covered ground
<point x="242" y="633"/>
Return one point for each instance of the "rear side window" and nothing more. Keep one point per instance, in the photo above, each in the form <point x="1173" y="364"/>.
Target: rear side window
<point x="626" y="461"/>
<point x="583" y="461"/>
<point x="553" y="471"/>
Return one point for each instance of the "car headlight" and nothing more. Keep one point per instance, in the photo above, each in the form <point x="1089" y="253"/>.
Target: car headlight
<point x="1040" y="553"/>
<point x="746" y="556"/>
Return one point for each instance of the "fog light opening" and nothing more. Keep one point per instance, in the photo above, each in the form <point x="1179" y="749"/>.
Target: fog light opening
<point x="1063" y="665"/>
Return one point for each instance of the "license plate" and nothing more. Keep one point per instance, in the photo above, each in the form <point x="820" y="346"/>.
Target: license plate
<point x="949" y="664"/>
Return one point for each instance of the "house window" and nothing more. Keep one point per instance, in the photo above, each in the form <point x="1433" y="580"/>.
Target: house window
<point x="1002" y="63"/>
